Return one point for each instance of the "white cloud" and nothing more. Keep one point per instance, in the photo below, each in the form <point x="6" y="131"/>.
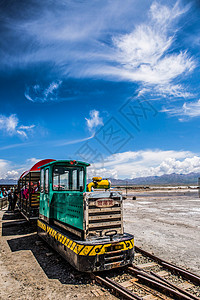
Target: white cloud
<point x="30" y="162"/>
<point x="187" y="111"/>
<point x="171" y="165"/>
<point x="163" y="15"/>
<point x="94" y="120"/>
<point x="71" y="142"/>
<point x="10" y="126"/>
<point x="9" y="170"/>
<point x="26" y="127"/>
<point x="173" y="90"/>
<point x="3" y="167"/>
<point x="52" y="88"/>
<point x="6" y="171"/>
<point x="130" y="164"/>
<point x="37" y="93"/>
<point x="146" y="163"/>
<point x="12" y="174"/>
<point x="144" y="53"/>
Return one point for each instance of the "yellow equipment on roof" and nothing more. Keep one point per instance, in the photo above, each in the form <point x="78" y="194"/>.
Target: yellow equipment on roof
<point x="98" y="183"/>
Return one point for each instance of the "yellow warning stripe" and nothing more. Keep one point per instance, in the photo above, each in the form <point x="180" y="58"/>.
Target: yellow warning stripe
<point x="87" y="249"/>
<point x="41" y="225"/>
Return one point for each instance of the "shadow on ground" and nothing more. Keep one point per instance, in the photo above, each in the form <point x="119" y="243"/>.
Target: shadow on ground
<point x="8" y="215"/>
<point x="54" y="266"/>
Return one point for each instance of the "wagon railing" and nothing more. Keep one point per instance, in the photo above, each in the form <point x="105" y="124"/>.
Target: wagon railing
<point x="3" y="202"/>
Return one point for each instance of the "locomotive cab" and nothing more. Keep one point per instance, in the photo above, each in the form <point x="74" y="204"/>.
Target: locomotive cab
<point x="61" y="195"/>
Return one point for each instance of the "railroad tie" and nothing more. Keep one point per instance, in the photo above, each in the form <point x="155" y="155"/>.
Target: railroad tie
<point x="162" y="273"/>
<point x="98" y="293"/>
<point x="137" y="255"/>
<point x="147" y="265"/>
<point x="126" y="284"/>
<point x="150" y="297"/>
<point x="185" y="285"/>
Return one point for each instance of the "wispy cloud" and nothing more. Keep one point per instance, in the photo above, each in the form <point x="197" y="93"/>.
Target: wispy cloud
<point x="187" y="111"/>
<point x="144" y="163"/>
<point x="71" y="142"/>
<point x="108" y="39"/>
<point x="176" y="91"/>
<point x="94" y="121"/>
<point x="144" y="54"/>
<point x="10" y="126"/>
<point x="38" y="93"/>
<point x="17" y="145"/>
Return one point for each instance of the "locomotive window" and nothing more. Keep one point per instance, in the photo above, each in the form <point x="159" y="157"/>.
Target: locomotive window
<point x="66" y="178"/>
<point x="47" y="181"/>
<point x="81" y="179"/>
<point x="74" y="180"/>
<point x="55" y="180"/>
<point x="42" y="181"/>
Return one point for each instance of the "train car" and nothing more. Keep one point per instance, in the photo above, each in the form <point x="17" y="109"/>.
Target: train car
<point x="29" y="191"/>
<point x="85" y="228"/>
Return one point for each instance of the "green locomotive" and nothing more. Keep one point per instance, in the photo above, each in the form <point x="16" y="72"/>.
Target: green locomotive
<point x="85" y="228"/>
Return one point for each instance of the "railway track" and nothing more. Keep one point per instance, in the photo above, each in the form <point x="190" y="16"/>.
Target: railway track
<point x="151" y="278"/>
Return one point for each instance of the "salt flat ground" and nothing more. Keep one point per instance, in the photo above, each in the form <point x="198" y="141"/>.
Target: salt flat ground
<point x="166" y="223"/>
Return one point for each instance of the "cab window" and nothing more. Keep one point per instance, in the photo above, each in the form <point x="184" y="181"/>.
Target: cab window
<point x="81" y="178"/>
<point x="42" y="181"/>
<point x="74" y="180"/>
<point x="66" y="178"/>
<point x="47" y="181"/>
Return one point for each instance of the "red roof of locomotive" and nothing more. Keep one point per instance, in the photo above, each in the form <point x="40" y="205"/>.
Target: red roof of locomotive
<point x="37" y="166"/>
<point x="23" y="174"/>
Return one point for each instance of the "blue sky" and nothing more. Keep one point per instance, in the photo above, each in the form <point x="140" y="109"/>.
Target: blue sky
<point x="114" y="83"/>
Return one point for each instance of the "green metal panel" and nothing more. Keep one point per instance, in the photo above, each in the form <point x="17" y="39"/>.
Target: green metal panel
<point x="45" y="198"/>
<point x="67" y="207"/>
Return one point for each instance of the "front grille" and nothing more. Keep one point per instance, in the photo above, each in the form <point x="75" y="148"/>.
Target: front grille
<point x="114" y="256"/>
<point x="103" y="219"/>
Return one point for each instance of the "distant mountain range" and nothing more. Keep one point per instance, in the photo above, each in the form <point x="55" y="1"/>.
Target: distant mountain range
<point x="8" y="181"/>
<point x="172" y="179"/>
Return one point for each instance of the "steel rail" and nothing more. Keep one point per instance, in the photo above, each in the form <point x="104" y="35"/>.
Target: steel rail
<point x="135" y="270"/>
<point x="174" y="286"/>
<point x="161" y="279"/>
<point x="115" y="287"/>
<point x="165" y="288"/>
<point x="184" y="273"/>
